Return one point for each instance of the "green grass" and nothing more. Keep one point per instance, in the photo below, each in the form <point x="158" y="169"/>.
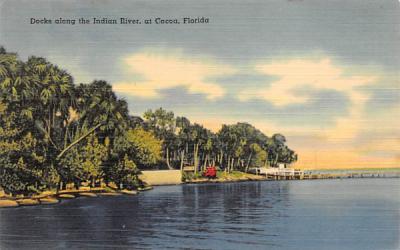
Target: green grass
<point x="233" y="174"/>
<point x="220" y="174"/>
<point x="237" y="174"/>
<point x="191" y="176"/>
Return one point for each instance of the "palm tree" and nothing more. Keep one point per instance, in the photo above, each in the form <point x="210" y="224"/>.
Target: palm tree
<point x="98" y="104"/>
<point x="53" y="96"/>
<point x="100" y="109"/>
<point x="17" y="86"/>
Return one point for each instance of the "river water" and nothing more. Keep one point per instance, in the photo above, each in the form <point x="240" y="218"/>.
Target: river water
<point x="312" y="214"/>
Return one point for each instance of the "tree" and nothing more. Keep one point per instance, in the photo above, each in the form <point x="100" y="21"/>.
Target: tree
<point x="276" y="146"/>
<point x="54" y="132"/>
<point x="53" y="96"/>
<point x="141" y="146"/>
<point x="83" y="162"/>
<point x="22" y="153"/>
<point x="162" y="123"/>
<point x="100" y="110"/>
<point x="235" y="144"/>
<point x="126" y="174"/>
<point x="199" y="136"/>
<point x="21" y="160"/>
<point x="259" y="156"/>
<point x="182" y="139"/>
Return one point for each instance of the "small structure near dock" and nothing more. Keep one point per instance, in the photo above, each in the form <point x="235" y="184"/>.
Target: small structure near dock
<point x="188" y="169"/>
<point x="282" y="172"/>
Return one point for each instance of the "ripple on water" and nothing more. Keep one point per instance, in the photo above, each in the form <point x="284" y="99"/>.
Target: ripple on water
<point x="352" y="214"/>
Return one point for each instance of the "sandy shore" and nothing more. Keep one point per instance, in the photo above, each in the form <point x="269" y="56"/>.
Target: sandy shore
<point x="8" y="203"/>
<point x="161" y="177"/>
<point x="49" y="197"/>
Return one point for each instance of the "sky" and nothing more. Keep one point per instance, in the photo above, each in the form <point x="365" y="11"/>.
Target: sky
<point x="326" y="74"/>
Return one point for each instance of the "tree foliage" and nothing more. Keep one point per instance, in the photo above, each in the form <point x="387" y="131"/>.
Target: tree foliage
<point x="234" y="147"/>
<point x="55" y="132"/>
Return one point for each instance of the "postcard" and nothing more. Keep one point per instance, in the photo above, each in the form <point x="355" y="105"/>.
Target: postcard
<point x="199" y="124"/>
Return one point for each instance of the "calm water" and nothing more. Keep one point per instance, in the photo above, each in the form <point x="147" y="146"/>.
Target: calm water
<point x="316" y="214"/>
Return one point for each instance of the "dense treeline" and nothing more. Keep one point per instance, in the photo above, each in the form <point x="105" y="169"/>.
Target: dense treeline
<point x="233" y="147"/>
<point x="54" y="132"/>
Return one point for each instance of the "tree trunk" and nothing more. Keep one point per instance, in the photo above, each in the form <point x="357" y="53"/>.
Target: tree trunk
<point x="205" y="163"/>
<point x="169" y="166"/>
<point x="228" y="164"/>
<point x="77" y="141"/>
<point x="266" y="160"/>
<point x="276" y="160"/>
<point x="66" y="136"/>
<point x="182" y="157"/>
<point x="248" y="161"/>
<point x="47" y="134"/>
<point x="196" y="149"/>
<point x="232" y="165"/>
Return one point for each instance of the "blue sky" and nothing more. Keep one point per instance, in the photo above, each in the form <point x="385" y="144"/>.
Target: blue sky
<point x="324" y="73"/>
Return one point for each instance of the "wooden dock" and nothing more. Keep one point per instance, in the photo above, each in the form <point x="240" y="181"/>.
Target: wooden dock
<point x="300" y="175"/>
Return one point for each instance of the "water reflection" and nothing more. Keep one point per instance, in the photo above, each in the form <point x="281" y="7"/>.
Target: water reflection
<point x="251" y="215"/>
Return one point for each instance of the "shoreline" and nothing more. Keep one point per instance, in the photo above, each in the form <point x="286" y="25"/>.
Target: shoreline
<point x="312" y="176"/>
<point x="226" y="178"/>
<point x="51" y="197"/>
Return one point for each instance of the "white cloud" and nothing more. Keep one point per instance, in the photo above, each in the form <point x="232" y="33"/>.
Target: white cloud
<point x="317" y="74"/>
<point x="165" y="70"/>
<point x="291" y="74"/>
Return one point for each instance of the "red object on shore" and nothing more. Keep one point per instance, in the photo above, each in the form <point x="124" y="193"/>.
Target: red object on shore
<point x="211" y="172"/>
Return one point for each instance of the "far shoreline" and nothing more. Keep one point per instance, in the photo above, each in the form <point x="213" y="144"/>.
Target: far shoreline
<point x="353" y="169"/>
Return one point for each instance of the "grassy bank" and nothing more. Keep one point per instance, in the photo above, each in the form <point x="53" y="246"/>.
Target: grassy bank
<point x="222" y="176"/>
